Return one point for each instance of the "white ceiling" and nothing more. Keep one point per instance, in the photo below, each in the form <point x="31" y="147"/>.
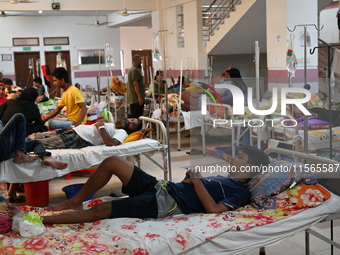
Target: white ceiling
<point x="24" y="9"/>
<point x="237" y="42"/>
<point x="58" y="13"/>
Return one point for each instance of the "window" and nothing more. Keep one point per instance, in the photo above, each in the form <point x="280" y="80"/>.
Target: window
<point x="180" y="26"/>
<point x="86" y="57"/>
<point x="56" y="41"/>
<point x="34" y="41"/>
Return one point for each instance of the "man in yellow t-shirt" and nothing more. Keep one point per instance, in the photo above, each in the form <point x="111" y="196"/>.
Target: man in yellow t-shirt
<point x="72" y="98"/>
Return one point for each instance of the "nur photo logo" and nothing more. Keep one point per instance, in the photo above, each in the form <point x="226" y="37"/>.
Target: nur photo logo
<point x="239" y="109"/>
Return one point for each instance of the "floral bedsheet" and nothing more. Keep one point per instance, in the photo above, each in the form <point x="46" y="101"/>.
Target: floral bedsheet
<point x="172" y="235"/>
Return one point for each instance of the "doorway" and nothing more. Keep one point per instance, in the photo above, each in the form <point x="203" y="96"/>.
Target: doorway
<point x="25" y="64"/>
<point x="147" y="65"/>
<point x="51" y="62"/>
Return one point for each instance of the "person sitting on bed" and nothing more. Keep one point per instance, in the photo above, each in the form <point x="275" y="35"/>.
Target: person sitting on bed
<point x="3" y="97"/>
<point x="159" y="84"/>
<point x="82" y="136"/>
<point x="14" y="145"/>
<point x="26" y="105"/>
<point x="235" y="78"/>
<point x="335" y="104"/>
<point x="150" y="198"/>
<point x="118" y="87"/>
<point x="72" y="98"/>
<point x="175" y="87"/>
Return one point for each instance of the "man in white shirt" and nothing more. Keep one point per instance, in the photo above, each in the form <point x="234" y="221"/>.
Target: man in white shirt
<point x="100" y="133"/>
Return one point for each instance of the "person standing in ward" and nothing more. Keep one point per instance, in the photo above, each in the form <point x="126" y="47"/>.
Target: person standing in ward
<point x="136" y="88"/>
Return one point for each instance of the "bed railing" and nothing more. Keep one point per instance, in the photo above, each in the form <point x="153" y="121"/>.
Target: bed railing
<point x="159" y="133"/>
<point x="300" y="157"/>
<point x="329" y="179"/>
<point x="150" y="105"/>
<point x="176" y="117"/>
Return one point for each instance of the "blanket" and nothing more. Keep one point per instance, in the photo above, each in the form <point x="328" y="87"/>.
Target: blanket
<point x="172" y="235"/>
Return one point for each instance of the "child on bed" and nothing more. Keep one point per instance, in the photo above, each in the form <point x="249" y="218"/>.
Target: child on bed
<point x="14" y="145"/>
<point x="149" y="198"/>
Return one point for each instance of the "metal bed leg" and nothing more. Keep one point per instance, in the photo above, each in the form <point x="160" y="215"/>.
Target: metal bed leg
<point x="137" y="157"/>
<point x="178" y="133"/>
<point x="332" y="247"/>
<point x="307" y="242"/>
<point x="262" y="251"/>
<point x="203" y="138"/>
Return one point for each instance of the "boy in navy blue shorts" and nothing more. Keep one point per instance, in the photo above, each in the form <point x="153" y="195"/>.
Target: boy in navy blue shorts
<point x="152" y="198"/>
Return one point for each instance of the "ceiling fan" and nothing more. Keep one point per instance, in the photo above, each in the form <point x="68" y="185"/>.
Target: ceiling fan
<point x="7" y="14"/>
<point x="96" y="23"/>
<point x="126" y="13"/>
<point x="20" y="1"/>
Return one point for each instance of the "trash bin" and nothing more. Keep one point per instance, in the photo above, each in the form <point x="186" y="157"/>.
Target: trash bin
<point x="37" y="193"/>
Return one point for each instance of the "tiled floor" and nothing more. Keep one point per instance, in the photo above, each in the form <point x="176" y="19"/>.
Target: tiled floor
<point x="179" y="162"/>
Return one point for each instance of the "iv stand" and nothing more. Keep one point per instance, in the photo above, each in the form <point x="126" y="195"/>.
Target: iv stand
<point x="166" y="103"/>
<point x="329" y="92"/>
<point x="98" y="77"/>
<point x="108" y="74"/>
<point x="210" y="68"/>
<point x="305" y="126"/>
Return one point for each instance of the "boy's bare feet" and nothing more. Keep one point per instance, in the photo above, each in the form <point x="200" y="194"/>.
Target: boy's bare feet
<point x="54" y="163"/>
<point x="20" y="157"/>
<point x="12" y="210"/>
<point x="64" y="206"/>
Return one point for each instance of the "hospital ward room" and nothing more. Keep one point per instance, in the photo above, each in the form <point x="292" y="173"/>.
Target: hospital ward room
<point x="77" y="196"/>
<point x="121" y="133"/>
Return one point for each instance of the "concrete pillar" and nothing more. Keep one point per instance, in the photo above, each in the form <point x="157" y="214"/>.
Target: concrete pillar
<point x="193" y="53"/>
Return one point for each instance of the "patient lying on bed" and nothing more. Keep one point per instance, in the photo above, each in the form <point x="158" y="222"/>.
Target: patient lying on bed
<point x="14" y="145"/>
<point x="102" y="132"/>
<point x="152" y="198"/>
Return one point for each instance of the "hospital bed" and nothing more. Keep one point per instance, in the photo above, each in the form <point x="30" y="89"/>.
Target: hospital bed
<point x="226" y="233"/>
<point x="89" y="157"/>
<point x="220" y="120"/>
<point x="290" y="135"/>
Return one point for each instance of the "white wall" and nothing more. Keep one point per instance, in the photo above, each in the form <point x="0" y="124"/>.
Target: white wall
<point x="133" y="38"/>
<point x="80" y="37"/>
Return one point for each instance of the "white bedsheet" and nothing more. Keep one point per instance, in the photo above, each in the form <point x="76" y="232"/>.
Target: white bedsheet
<point x="192" y="119"/>
<point x="77" y="159"/>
